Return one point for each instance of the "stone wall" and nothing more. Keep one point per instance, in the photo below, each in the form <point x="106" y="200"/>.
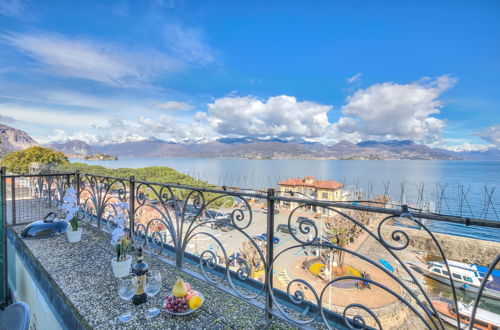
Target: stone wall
<point x="455" y="247"/>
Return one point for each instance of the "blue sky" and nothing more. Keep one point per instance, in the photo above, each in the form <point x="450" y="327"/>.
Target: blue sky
<point x="113" y="71"/>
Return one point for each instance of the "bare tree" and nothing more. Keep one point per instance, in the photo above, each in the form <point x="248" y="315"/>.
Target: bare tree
<point x="251" y="255"/>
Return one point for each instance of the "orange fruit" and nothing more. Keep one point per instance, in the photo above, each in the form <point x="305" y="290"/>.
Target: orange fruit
<point x="195" y="302"/>
<point x="191" y="294"/>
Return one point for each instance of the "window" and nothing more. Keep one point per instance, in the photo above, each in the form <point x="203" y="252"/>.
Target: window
<point x="468" y="279"/>
<point x="476" y="322"/>
<point x="437" y="270"/>
<point x="446" y="273"/>
<point x="324" y="195"/>
<point x="456" y="276"/>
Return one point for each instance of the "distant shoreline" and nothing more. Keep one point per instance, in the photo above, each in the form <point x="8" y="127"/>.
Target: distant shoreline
<point x="297" y="158"/>
<point x="340" y="159"/>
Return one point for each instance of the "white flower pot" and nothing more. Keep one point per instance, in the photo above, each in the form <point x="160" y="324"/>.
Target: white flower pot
<point x="74" y="235"/>
<point x="121" y="268"/>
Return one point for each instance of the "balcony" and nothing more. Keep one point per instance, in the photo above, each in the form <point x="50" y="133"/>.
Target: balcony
<point x="76" y="279"/>
<point x="310" y="275"/>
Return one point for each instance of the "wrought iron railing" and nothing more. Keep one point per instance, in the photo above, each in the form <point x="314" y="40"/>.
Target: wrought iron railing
<point x="295" y="274"/>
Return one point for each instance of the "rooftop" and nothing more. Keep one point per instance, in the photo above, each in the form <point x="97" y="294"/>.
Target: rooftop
<point x="309" y="181"/>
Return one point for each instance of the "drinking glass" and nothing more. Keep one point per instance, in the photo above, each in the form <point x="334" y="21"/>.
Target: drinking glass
<point x="152" y="287"/>
<point x="127" y="286"/>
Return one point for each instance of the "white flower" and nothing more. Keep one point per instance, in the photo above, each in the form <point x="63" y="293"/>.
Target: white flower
<point x="116" y="235"/>
<point x="120" y="221"/>
<point x="70" y="203"/>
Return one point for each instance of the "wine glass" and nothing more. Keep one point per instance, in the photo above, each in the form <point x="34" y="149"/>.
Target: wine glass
<point x="152" y="287"/>
<point x="127" y="287"/>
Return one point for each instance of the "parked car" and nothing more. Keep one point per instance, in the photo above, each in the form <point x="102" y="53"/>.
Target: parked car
<point x="214" y="215"/>
<point x="263" y="237"/>
<point x="285" y="229"/>
<point x="325" y="242"/>
<point x="226" y="228"/>
<point x="304" y="219"/>
<point x="224" y="225"/>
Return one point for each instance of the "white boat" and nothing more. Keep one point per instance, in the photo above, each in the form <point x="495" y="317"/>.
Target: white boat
<point x="465" y="277"/>
<point x="460" y="272"/>
<point x="482" y="320"/>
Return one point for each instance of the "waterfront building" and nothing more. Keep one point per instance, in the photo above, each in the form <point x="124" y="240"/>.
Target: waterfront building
<point x="309" y="187"/>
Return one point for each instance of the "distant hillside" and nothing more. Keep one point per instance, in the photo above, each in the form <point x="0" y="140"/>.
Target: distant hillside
<point x="74" y="148"/>
<point x="486" y="155"/>
<point x="12" y="139"/>
<point x="256" y="148"/>
<point x="406" y="149"/>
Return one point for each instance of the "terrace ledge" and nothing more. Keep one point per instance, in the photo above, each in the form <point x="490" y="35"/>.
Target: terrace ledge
<point x="77" y="281"/>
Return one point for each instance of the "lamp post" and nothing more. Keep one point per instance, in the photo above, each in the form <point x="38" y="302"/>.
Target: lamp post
<point x="329" y="280"/>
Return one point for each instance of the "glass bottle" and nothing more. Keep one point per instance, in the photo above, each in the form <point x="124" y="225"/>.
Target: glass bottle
<point x="140" y="268"/>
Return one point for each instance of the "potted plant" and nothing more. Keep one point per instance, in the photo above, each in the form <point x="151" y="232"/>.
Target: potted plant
<point x="75" y="231"/>
<point x="70" y="205"/>
<point x="122" y="262"/>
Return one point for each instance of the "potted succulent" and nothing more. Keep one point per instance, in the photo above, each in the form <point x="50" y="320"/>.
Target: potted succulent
<point x="122" y="262"/>
<point x="70" y="205"/>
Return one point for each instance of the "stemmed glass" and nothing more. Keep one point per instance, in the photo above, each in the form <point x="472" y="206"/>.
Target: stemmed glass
<point x="152" y="287"/>
<point x="127" y="287"/>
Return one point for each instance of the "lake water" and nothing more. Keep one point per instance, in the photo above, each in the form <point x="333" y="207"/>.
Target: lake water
<point x="449" y="187"/>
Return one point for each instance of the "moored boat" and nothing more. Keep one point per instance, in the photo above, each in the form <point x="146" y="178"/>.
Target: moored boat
<point x="483" y="319"/>
<point x="465" y="277"/>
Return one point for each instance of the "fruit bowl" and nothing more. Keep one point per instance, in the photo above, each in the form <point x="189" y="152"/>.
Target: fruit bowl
<point x="187" y="311"/>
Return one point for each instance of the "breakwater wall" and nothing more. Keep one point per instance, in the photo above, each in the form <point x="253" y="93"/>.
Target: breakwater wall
<point x="454" y="247"/>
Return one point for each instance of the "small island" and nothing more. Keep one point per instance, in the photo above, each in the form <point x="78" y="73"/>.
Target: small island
<point x="101" y="157"/>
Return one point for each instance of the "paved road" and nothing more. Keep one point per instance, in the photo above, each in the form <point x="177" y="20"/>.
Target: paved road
<point x="232" y="240"/>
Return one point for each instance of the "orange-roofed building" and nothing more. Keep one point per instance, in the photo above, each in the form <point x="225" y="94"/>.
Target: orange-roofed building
<point x="322" y="190"/>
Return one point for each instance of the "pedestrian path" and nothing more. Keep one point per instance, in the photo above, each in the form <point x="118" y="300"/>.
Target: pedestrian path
<point x="283" y="276"/>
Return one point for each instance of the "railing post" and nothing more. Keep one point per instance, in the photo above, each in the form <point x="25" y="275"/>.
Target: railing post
<point x="68" y="182"/>
<point x="3" y="238"/>
<point x="131" y="212"/>
<point x="77" y="178"/>
<point x="13" y="199"/>
<point x="269" y="253"/>
<point x="49" y="189"/>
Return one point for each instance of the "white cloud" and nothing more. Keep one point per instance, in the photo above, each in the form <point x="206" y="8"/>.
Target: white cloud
<point x="11" y="7"/>
<point x="280" y="116"/>
<point x="174" y="105"/>
<point x="354" y="78"/>
<point x="98" y="61"/>
<point x="168" y="128"/>
<point x="466" y="146"/>
<point x="117" y="130"/>
<point x="395" y="111"/>
<point x="491" y="134"/>
<point x="188" y="44"/>
<point x="37" y="116"/>
<point x="114" y="131"/>
<point x="61" y="136"/>
<point x="6" y="119"/>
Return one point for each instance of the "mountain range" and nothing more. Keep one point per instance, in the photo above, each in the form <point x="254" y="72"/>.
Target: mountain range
<point x="252" y="148"/>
